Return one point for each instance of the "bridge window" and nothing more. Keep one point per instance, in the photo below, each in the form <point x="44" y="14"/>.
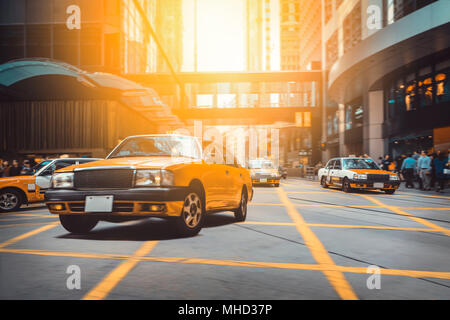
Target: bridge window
<point x="226" y="100"/>
<point x="205" y="100"/>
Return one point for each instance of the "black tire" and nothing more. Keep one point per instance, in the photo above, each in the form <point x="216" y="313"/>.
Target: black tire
<point x="190" y="222"/>
<point x="323" y="182"/>
<point x="389" y="191"/>
<point x="78" y="224"/>
<point x="276" y="185"/>
<point x="346" y="186"/>
<point x="240" y="214"/>
<point x="10" y="200"/>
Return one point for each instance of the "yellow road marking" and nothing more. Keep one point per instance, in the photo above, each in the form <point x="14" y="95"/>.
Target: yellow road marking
<point x="368" y="227"/>
<point x="404" y="213"/>
<point x="29" y="234"/>
<point x="23" y="225"/>
<point x="101" y="291"/>
<point x="268" y="223"/>
<point x="423" y="195"/>
<point x="236" y="263"/>
<point x="28" y="218"/>
<point x="318" y="251"/>
<point x="67" y="254"/>
<point x="264" y="204"/>
<point x="344" y="226"/>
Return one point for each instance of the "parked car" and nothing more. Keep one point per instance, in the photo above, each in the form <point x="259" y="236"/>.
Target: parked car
<point x="19" y="190"/>
<point x="264" y="172"/>
<point x="161" y="176"/>
<point x="357" y="173"/>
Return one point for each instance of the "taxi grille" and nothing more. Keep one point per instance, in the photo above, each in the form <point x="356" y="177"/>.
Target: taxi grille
<point x="104" y="179"/>
<point x="378" y="177"/>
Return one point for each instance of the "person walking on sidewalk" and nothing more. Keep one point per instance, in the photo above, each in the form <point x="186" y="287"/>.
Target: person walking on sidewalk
<point x="424" y="169"/>
<point x="407" y="169"/>
<point x="439" y="164"/>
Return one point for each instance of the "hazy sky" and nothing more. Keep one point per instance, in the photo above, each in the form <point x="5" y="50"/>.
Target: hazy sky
<point x="221" y="35"/>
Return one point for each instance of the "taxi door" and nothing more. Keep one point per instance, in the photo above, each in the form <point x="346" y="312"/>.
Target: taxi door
<point x="331" y="172"/>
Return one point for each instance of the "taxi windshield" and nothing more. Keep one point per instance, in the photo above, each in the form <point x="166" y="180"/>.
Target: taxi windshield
<point x="360" y="164"/>
<point x="258" y="164"/>
<point x="171" y="146"/>
<point x="40" y="165"/>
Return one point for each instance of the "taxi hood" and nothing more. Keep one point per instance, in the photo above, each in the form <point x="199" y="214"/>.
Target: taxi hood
<point x="136" y="162"/>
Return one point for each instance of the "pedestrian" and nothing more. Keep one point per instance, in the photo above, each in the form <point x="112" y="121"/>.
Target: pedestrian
<point x="26" y="169"/>
<point x="424" y="169"/>
<point x="433" y="180"/>
<point x="386" y="162"/>
<point x="6" y="168"/>
<point x="416" y="155"/>
<point x="1" y="168"/>
<point x="408" y="167"/>
<point x="440" y="164"/>
<point x="15" y="169"/>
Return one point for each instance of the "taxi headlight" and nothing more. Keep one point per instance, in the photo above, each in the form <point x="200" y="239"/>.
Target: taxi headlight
<point x="155" y="178"/>
<point x="393" y="177"/>
<point x="62" y="180"/>
<point x="360" y="177"/>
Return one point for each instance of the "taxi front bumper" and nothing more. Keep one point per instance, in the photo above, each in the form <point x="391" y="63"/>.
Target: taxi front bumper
<point x="151" y="202"/>
<point x="364" y="184"/>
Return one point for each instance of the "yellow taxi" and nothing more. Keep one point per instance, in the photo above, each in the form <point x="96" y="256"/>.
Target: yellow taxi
<point x="162" y="176"/>
<point x="19" y="190"/>
<point x="264" y="172"/>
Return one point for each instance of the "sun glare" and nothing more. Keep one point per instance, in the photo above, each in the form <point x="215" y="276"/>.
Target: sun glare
<point x="220" y="39"/>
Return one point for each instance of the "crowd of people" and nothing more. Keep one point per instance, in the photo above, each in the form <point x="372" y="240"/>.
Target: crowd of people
<point x="428" y="169"/>
<point x="15" y="168"/>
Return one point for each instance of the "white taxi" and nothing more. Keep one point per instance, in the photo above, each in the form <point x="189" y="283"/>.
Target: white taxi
<point x="351" y="173"/>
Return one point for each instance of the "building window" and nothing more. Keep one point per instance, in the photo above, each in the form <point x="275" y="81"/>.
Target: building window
<point x="352" y="28"/>
<point x="38" y="40"/>
<point x="442" y="87"/>
<point x="11" y="43"/>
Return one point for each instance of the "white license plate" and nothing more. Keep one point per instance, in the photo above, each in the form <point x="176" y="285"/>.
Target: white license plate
<point x="99" y="204"/>
<point x="262" y="180"/>
<point x="378" y="185"/>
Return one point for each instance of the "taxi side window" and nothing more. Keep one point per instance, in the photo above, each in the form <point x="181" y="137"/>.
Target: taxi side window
<point x="331" y="164"/>
<point x="337" y="165"/>
<point x="63" y="164"/>
<point x="48" y="171"/>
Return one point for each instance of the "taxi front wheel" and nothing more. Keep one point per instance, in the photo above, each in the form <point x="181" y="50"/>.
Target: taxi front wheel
<point x="346" y="186"/>
<point x="78" y="224"/>
<point x="190" y="222"/>
<point x="240" y="213"/>
<point x="389" y="191"/>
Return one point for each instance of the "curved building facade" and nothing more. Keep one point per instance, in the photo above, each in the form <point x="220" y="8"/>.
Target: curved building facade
<point x="388" y="65"/>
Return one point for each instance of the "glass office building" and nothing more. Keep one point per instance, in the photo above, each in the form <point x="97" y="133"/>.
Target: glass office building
<point x="95" y="35"/>
<point x="387" y="66"/>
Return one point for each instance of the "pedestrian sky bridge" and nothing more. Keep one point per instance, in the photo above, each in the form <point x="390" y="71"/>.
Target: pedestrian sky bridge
<point x="239" y="98"/>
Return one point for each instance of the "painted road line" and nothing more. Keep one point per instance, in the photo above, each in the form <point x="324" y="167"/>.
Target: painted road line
<point x="16" y="225"/>
<point x="235" y="263"/>
<point x="27" y="218"/>
<point x="101" y="291"/>
<point x="84" y="255"/>
<point x="296" y="266"/>
<point x="369" y="227"/>
<point x="342" y="226"/>
<point x="318" y="251"/>
<point x="424" y="195"/>
<point x="404" y="213"/>
<point x="29" y="234"/>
